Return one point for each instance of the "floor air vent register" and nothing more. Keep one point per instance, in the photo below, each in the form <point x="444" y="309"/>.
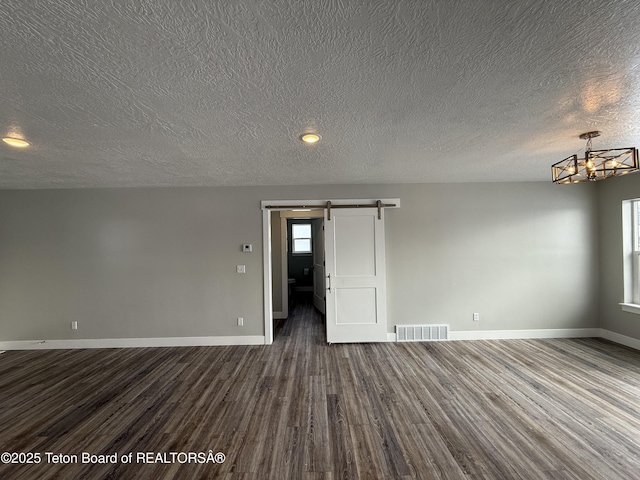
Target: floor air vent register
<point x="422" y="333"/>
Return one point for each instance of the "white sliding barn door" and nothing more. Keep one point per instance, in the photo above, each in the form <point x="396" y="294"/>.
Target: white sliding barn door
<point x="355" y="276"/>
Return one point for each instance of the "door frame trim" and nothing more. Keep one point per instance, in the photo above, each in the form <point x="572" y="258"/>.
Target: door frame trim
<point x="266" y="244"/>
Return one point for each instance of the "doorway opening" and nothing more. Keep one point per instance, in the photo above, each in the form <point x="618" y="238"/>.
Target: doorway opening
<point x="297" y="259"/>
<point x="305" y="261"/>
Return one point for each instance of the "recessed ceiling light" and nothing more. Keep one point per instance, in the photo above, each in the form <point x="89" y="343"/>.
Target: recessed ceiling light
<point x="15" y="142"/>
<point x="310" y="137"/>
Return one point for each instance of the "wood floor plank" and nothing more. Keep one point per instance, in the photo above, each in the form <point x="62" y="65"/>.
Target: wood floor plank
<point x="301" y="409"/>
<point x="317" y="447"/>
<point x="342" y="452"/>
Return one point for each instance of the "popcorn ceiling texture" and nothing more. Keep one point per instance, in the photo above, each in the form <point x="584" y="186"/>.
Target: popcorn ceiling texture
<point x="160" y="92"/>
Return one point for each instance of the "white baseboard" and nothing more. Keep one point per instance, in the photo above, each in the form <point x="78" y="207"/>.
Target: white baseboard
<point x="522" y="334"/>
<point x="541" y="333"/>
<point x="260" y="340"/>
<point x="132" y="342"/>
<point x="517" y="334"/>
<point x="279" y="315"/>
<point x="619" y="338"/>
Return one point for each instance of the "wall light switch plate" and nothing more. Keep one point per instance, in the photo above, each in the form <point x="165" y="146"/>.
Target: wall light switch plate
<point x="241" y="269"/>
<point x="247" y="247"/>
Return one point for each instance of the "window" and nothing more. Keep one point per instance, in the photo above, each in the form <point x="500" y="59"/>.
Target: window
<point x="631" y="251"/>
<point x="635" y="250"/>
<point x="301" y="238"/>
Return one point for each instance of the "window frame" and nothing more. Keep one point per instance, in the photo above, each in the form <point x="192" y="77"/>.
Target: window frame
<point x="294" y="238"/>
<point x="635" y="251"/>
<point x="631" y="255"/>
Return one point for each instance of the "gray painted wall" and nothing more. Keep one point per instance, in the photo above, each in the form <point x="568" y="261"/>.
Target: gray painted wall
<point x="610" y="194"/>
<point x="519" y="254"/>
<point x="129" y="263"/>
<point x="161" y="262"/>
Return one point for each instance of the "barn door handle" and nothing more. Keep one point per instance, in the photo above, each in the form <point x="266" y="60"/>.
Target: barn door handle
<point x="329" y="283"/>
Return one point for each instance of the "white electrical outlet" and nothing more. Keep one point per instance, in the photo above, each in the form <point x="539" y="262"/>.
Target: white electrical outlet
<point x="74" y="325"/>
<point x="240" y="321"/>
<point x="476" y="317"/>
<point x="241" y="269"/>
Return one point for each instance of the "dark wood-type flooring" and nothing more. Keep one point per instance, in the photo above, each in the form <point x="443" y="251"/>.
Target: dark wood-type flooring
<point x="300" y="409"/>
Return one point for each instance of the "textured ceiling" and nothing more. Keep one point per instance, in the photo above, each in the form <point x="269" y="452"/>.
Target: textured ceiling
<point x="161" y="92"/>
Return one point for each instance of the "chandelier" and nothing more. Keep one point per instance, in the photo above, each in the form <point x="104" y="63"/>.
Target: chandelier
<point x="596" y="164"/>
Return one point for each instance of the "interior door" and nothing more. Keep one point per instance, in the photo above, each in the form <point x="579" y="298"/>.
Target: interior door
<point x="355" y="276"/>
<point x="318" y="264"/>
